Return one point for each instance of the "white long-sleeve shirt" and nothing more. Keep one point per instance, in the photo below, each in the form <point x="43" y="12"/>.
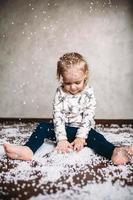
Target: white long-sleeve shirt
<point x="73" y="110"/>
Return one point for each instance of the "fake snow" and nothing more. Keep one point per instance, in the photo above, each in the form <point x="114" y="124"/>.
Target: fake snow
<point x="104" y="191"/>
<point x="68" y="176"/>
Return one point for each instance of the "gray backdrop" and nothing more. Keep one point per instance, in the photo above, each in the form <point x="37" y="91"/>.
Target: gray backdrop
<point x="35" y="33"/>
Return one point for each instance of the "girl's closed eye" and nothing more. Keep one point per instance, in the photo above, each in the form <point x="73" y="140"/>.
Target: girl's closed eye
<point x="66" y="83"/>
<point x="78" y="82"/>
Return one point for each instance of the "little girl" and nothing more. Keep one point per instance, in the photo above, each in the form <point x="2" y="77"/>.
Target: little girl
<point x="73" y="117"/>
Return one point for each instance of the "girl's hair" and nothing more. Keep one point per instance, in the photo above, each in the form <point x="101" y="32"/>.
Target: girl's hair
<point x="68" y="60"/>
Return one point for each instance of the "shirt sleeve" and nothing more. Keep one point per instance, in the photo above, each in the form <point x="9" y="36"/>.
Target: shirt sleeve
<point x="59" y="116"/>
<point x="88" y="114"/>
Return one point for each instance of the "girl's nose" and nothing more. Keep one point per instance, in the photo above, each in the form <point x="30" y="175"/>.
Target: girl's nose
<point x="73" y="87"/>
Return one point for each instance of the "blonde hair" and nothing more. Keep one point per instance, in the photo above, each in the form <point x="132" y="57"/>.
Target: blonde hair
<point x="68" y="60"/>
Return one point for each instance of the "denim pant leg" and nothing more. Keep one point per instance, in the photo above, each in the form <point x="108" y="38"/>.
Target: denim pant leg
<point x="71" y="133"/>
<point x="99" y="144"/>
<point x="42" y="131"/>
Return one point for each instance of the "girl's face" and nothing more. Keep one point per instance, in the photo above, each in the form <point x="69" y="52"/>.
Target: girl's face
<point x="74" y="80"/>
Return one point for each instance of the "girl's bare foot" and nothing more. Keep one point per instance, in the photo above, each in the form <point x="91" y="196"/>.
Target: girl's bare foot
<point x="18" y="152"/>
<point x="120" y="156"/>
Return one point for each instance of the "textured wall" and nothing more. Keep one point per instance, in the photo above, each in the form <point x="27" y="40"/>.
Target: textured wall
<point x="35" y="33"/>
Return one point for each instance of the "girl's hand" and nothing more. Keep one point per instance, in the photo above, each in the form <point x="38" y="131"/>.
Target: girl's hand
<point x="63" y="146"/>
<point x="78" y="144"/>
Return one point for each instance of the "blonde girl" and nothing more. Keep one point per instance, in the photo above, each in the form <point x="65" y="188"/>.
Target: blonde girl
<point x="73" y="117"/>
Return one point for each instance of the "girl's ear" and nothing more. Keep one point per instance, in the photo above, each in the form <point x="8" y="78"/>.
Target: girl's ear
<point x="86" y="74"/>
<point x="86" y="77"/>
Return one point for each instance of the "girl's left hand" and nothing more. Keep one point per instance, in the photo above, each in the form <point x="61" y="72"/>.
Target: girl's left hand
<point x="78" y="144"/>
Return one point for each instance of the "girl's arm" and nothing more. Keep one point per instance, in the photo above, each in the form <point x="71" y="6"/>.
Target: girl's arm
<point x="88" y="115"/>
<point x="59" y="117"/>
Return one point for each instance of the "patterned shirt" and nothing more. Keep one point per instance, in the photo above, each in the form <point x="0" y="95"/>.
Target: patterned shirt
<point x="74" y="110"/>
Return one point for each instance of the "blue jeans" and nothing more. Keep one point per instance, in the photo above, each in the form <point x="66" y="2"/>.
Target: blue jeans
<point x="95" y="140"/>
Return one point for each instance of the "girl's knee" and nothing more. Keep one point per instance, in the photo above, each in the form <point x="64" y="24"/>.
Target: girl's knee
<point x="94" y="135"/>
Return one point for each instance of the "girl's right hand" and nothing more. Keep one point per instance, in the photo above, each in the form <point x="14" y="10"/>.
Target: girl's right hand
<point x="63" y="146"/>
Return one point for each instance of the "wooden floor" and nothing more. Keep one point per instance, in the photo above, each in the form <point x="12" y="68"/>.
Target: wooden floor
<point x="55" y="176"/>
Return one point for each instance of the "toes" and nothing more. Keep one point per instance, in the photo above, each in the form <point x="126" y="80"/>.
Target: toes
<point x="6" y="148"/>
<point x="130" y="151"/>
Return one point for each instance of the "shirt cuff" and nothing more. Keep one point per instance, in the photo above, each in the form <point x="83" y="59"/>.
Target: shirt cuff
<point x="60" y="134"/>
